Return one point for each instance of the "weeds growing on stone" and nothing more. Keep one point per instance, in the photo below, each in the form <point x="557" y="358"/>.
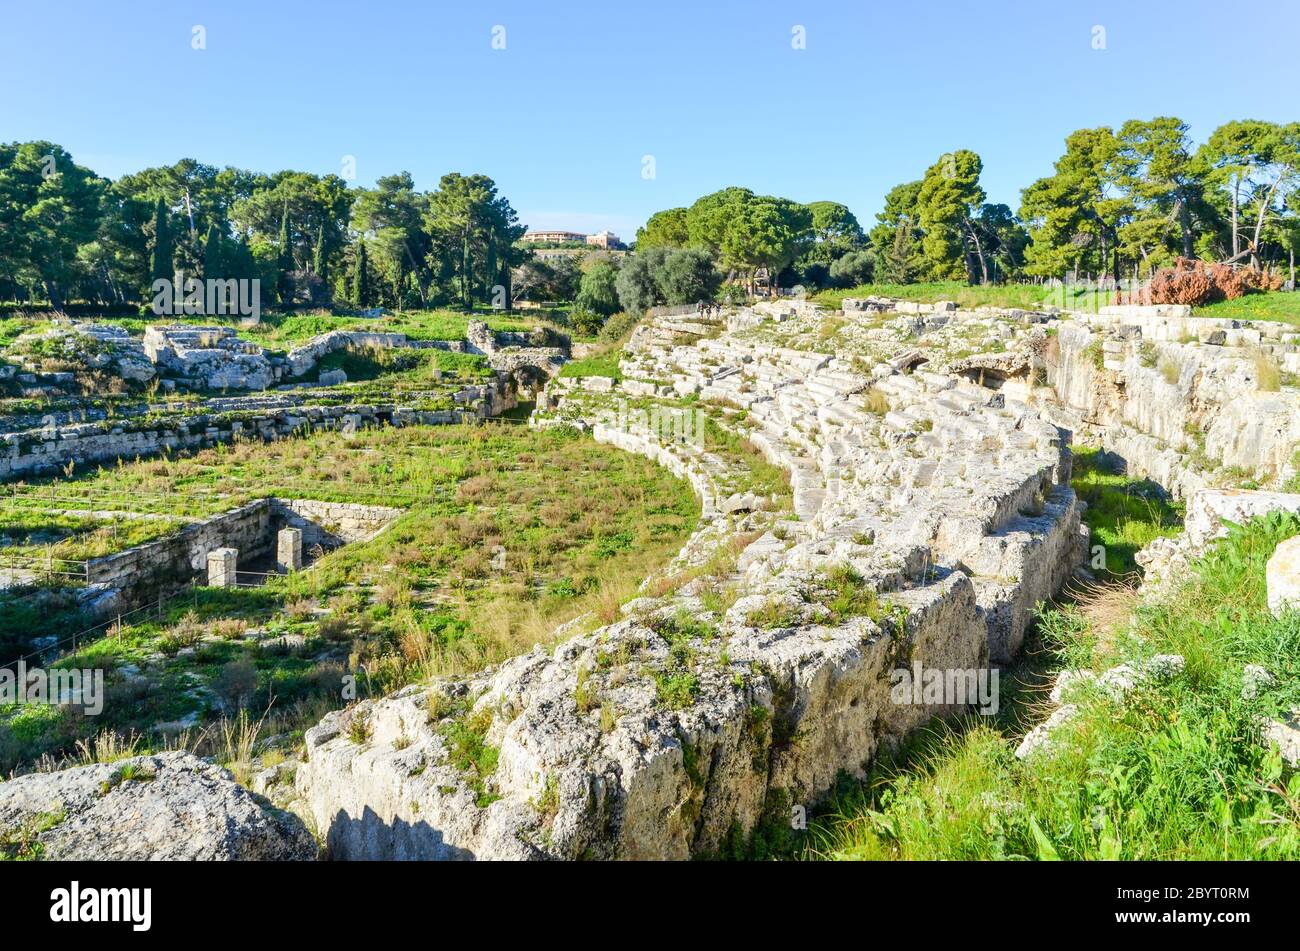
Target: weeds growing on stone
<point x="1177" y="770"/>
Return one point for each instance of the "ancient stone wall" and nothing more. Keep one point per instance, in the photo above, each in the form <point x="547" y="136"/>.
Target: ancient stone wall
<point x="952" y="508"/>
<point x="178" y="557"/>
<point x="46" y="451"/>
<point x="1156" y="392"/>
<point x="330" y="524"/>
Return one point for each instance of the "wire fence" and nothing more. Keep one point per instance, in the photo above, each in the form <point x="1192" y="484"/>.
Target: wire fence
<point x="114" y="626"/>
<point x="34" y="567"/>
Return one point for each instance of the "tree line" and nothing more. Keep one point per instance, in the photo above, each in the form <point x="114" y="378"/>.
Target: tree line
<point x="67" y="233"/>
<point x="1119" y="203"/>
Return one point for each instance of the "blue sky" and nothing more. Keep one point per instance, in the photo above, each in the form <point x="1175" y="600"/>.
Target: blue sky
<point x="562" y="117"/>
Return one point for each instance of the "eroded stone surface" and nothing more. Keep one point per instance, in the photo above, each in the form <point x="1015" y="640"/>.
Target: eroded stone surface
<point x="1283" y="577"/>
<point x="656" y="737"/>
<point x="173" y="806"/>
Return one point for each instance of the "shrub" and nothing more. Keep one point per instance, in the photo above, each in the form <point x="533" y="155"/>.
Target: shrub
<point x="586" y="322"/>
<point x="1177" y="285"/>
<point x="236" y="683"/>
<point x="1195" y="282"/>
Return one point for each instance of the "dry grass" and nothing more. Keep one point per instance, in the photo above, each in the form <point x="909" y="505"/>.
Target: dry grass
<point x="1268" y="375"/>
<point x="1169" y="370"/>
<point x="1108" y="609"/>
<point x="874" y="401"/>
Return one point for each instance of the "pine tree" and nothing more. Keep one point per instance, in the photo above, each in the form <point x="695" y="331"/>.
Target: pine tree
<point x="161" y="263"/>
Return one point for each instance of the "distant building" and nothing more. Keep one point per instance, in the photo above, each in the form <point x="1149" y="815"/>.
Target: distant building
<point x="606" y="240"/>
<point x="554" y="237"/>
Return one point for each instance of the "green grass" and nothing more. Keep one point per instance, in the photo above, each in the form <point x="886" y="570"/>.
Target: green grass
<point x="471" y="753"/>
<point x="489" y="556"/>
<point x="412" y="367"/>
<point x="1273" y="305"/>
<point x="1176" y="771"/>
<point x="29" y="534"/>
<point x="1124" y="514"/>
<point x="605" y="364"/>
<point x="993" y="295"/>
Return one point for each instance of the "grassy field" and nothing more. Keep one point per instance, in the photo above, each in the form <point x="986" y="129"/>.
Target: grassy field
<point x="374" y="466"/>
<point x="1268" y="306"/>
<point x="490" y="556"/>
<point x="996" y="295"/>
<point x="28" y="534"/>
<point x="604" y="364"/>
<point x="1276" y="305"/>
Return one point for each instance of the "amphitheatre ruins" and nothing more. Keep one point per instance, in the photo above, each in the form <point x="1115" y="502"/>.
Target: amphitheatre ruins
<point x="878" y="488"/>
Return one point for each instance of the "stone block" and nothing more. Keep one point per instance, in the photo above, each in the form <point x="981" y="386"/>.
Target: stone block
<point x="1283" y="577"/>
<point x="222" y="564"/>
<point x="288" y="550"/>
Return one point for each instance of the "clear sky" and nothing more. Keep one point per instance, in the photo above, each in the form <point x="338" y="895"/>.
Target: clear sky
<point x="562" y="116"/>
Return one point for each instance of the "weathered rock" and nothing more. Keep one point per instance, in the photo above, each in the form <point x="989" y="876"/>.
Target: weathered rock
<point x="1284" y="736"/>
<point x="1210" y="512"/>
<point x="637" y="741"/>
<point x="1283" y="577"/>
<point x="211" y="358"/>
<point x="172" y="806"/>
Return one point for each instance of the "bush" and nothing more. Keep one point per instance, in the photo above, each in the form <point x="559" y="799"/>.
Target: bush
<point x="1177" y="285"/>
<point x="733" y="294"/>
<point x="1200" y="282"/>
<point x="853" y="268"/>
<point x="586" y="322"/>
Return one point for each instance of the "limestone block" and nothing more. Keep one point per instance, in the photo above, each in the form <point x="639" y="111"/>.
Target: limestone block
<point x="288" y="550"/>
<point x="1283" y="576"/>
<point x="1284" y="736"/>
<point x="222" y="566"/>
<point x="1209" y="509"/>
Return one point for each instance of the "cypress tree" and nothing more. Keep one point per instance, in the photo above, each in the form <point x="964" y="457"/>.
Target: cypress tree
<point x="241" y="261"/>
<point x="361" y="278"/>
<point x="286" y="259"/>
<point x="318" y="258"/>
<point x="214" y="257"/>
<point x="161" y="264"/>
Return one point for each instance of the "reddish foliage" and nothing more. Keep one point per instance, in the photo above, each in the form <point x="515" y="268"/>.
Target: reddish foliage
<point x="1199" y="282"/>
<point x="1179" y="285"/>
